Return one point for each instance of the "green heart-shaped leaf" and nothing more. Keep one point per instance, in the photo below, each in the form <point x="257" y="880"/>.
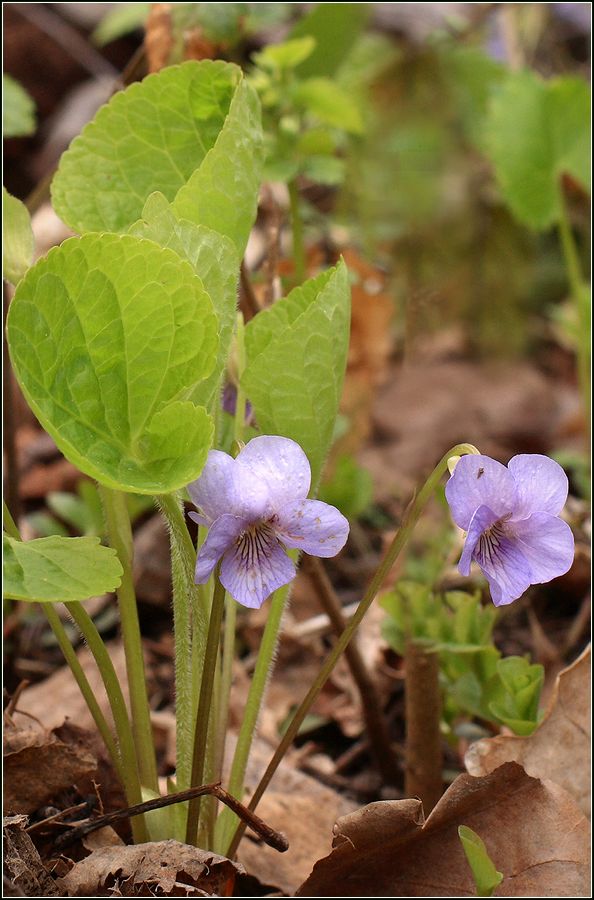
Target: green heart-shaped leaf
<point x="58" y="569"/>
<point x="109" y="336"/>
<point x="191" y="131"/>
<point x="304" y="338"/>
<point x="537" y="131"/>
<point x="214" y="259"/>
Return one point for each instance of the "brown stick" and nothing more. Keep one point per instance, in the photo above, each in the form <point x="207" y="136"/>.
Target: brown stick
<point x="423" y="711"/>
<point x="375" y="723"/>
<point x="249" y="305"/>
<point x="271" y="837"/>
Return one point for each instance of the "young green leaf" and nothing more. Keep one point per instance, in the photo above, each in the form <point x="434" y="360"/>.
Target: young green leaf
<point x="329" y="103"/>
<point x="121" y="20"/>
<point x="18" y="110"/>
<point x="536" y="132"/>
<point x="58" y="569"/>
<point x="214" y="259"/>
<point x="17" y="238"/>
<point x="277" y="57"/>
<point x="109" y="336"/>
<point x="335" y="28"/>
<point x="486" y="877"/>
<point x="190" y="131"/>
<point x="304" y="338"/>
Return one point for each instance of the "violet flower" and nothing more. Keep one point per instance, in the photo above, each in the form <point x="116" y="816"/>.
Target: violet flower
<point x="511" y="515"/>
<point x="255" y="506"/>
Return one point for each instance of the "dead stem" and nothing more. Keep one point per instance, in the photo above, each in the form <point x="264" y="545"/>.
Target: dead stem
<point x="273" y="838"/>
<point x="423" y="712"/>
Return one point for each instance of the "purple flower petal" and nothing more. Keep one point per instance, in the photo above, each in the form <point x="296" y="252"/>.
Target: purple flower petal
<point x="480" y="522"/>
<point x="506" y="568"/>
<point x="221" y="535"/>
<point x="541" y="485"/>
<point x="256" y="566"/>
<point x="224" y="487"/>
<point x="313" y="526"/>
<point x="214" y="491"/>
<point x="281" y="464"/>
<point x="547" y="543"/>
<point x="479" y="481"/>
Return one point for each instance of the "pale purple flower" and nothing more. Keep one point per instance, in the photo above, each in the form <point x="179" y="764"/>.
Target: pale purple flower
<point x="255" y="506"/>
<point x="511" y="515"/>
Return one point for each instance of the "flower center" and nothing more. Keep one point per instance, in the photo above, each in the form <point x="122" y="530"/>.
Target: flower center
<point x="490" y="541"/>
<point x="255" y="543"/>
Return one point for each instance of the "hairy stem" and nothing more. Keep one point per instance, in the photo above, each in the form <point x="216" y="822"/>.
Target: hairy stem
<point x="204" y="704"/>
<point x="394" y="550"/>
<point x="120" y="538"/>
<point x="227" y="820"/>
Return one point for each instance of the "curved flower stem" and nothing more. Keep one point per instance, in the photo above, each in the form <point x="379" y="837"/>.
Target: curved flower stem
<point x="581" y="299"/>
<point x="297" y="227"/>
<point x="400" y="540"/>
<point x="266" y="653"/>
<point x="120" y="538"/>
<point x="204" y="703"/>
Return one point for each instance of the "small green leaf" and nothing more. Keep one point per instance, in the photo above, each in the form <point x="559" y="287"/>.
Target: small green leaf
<point x="58" y="569"/>
<point x="126" y="17"/>
<point x="17" y="238"/>
<point x="18" y="110"/>
<point x="335" y="28"/>
<point x="329" y="103"/>
<point x="536" y="132"/>
<point x="214" y="259"/>
<point x="285" y="56"/>
<point x="296" y="358"/>
<point x="190" y="131"/>
<point x="486" y="877"/>
<point x="109" y="336"/>
<point x="325" y="169"/>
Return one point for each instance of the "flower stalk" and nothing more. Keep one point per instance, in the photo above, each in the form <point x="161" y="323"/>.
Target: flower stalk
<point x="400" y="540"/>
<point x="120" y="538"/>
<point x="204" y="705"/>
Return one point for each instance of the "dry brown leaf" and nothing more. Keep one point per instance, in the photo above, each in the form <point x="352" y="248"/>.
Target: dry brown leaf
<point x="158" y="39"/>
<point x="22" y="864"/>
<point x="299" y="806"/>
<point x="559" y="749"/>
<point x="38" y="766"/>
<point x="161" y="868"/>
<point x="534" y="833"/>
<point x="39" y="700"/>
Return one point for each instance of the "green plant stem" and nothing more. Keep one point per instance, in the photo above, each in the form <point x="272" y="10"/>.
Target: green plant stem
<point x="124" y="758"/>
<point x="580" y="294"/>
<point x="171" y="509"/>
<point x="400" y="540"/>
<point x="297" y="228"/>
<point x="204" y="703"/>
<point x="117" y="703"/>
<point x="86" y="689"/>
<point x="251" y="713"/>
<point x="120" y="538"/>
